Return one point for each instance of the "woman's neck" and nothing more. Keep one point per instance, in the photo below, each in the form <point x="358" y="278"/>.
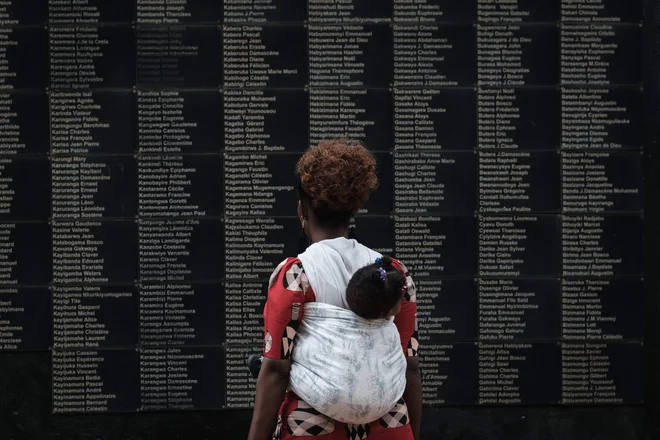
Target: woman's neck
<point x="320" y="234"/>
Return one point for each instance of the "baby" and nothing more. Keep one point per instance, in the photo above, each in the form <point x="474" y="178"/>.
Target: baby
<point x="375" y="291"/>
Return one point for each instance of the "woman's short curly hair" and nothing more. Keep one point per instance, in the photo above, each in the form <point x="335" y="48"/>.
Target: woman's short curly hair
<point x="337" y="177"/>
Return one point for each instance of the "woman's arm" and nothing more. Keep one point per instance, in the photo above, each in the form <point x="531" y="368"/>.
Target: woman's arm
<point x="288" y="290"/>
<point x="413" y="395"/>
<point x="271" y="387"/>
<point x="406" y="322"/>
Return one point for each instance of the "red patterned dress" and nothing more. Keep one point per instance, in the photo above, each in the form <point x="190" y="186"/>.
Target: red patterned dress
<point x="288" y="291"/>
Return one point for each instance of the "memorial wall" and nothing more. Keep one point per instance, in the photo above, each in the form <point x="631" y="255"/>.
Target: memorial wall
<point x="147" y="191"/>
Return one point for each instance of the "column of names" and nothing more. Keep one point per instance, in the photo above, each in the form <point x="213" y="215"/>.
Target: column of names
<point x="518" y="198"/>
<point x="602" y="201"/>
<point x="26" y="322"/>
<point x="93" y="178"/>
<point x="434" y="126"/>
<point x="266" y="126"/>
<point x="180" y="206"/>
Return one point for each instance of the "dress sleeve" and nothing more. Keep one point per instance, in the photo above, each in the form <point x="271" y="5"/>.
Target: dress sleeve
<point x="288" y="290"/>
<point x="406" y="319"/>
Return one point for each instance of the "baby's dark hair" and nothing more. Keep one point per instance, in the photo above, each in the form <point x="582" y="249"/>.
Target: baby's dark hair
<point x="369" y="295"/>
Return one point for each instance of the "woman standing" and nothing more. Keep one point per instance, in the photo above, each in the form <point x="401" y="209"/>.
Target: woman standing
<point x="335" y="180"/>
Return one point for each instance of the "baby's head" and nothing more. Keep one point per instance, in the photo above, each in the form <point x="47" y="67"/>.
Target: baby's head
<point x="376" y="290"/>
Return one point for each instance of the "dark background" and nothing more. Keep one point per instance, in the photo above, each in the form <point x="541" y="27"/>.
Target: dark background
<point x="25" y="377"/>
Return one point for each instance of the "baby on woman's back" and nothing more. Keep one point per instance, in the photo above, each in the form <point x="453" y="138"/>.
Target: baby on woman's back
<point x="376" y="290"/>
<point x="349" y="364"/>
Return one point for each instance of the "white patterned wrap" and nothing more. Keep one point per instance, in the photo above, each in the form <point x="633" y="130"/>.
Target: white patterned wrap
<point x="349" y="368"/>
